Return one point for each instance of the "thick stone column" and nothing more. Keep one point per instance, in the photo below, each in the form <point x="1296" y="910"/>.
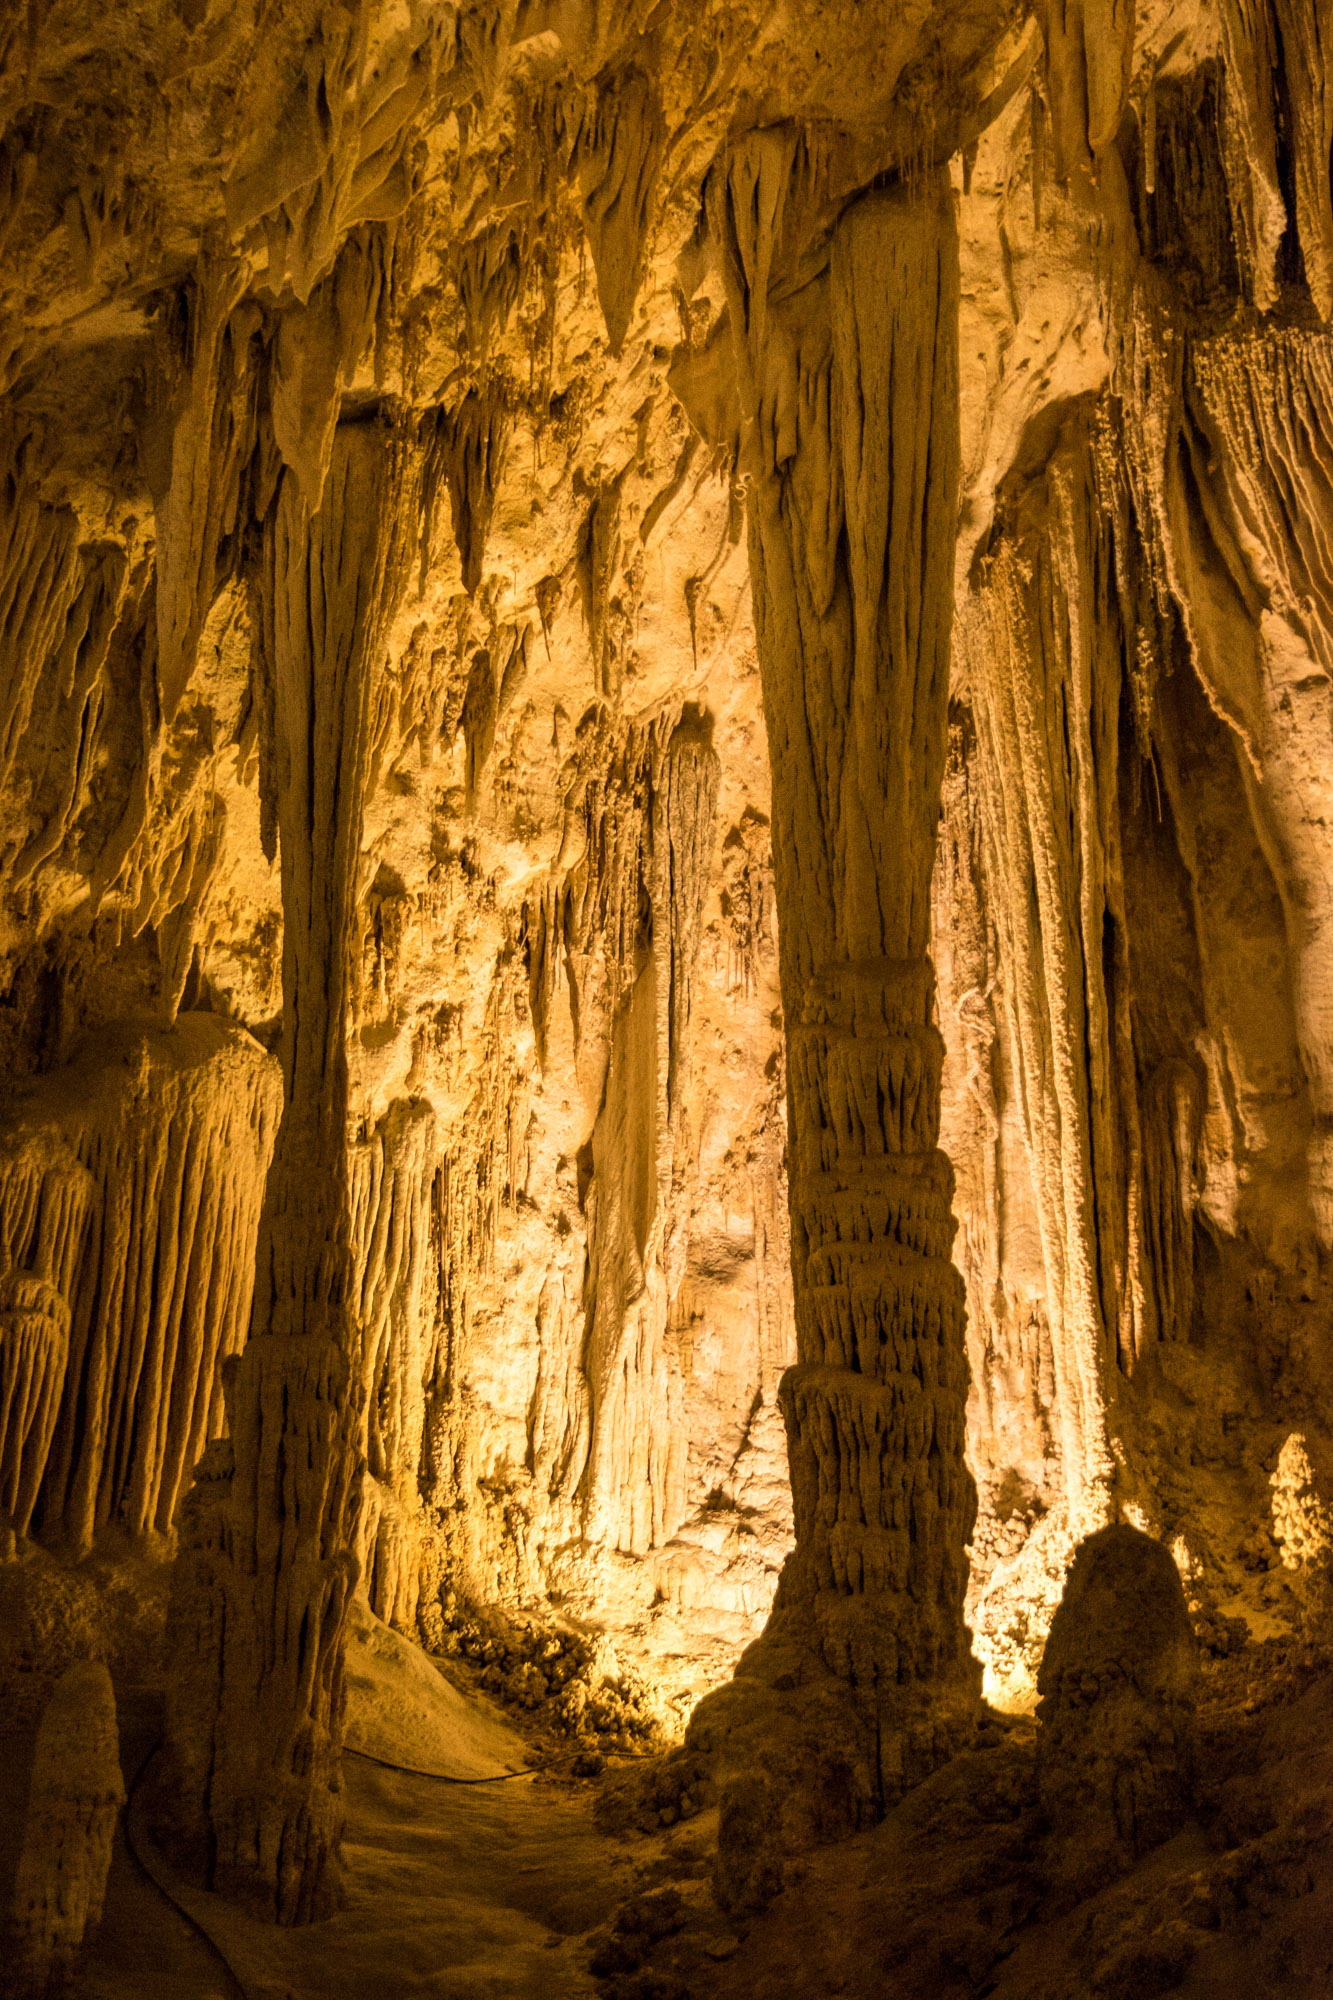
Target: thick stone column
<point x="849" y="400"/>
<point x="267" y="1567"/>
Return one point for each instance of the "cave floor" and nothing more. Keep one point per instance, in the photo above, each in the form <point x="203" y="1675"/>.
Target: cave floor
<point x="506" y="1889"/>
<point x="459" y="1891"/>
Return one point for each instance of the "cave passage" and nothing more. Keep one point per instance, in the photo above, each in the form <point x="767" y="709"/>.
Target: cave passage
<point x="666" y="1000"/>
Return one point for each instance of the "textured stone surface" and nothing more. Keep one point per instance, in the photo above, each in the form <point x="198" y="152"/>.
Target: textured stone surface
<point x="1118" y="1686"/>
<point x="75" y="1792"/>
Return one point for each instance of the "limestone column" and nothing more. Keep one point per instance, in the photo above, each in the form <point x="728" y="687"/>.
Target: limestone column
<point x="849" y="402"/>
<point x="267" y="1566"/>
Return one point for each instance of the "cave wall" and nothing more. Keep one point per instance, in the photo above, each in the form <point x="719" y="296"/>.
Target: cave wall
<point x="1134" y="840"/>
<point x="565" y="1104"/>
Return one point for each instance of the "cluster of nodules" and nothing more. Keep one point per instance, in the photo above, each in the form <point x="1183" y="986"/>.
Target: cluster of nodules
<point x="876" y="1407"/>
<point x="563" y="1681"/>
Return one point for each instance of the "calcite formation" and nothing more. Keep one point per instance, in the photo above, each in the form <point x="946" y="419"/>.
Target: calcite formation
<point x="665" y="888"/>
<point x="852" y="618"/>
<point x="1118" y="1682"/>
<point x="272" y="1713"/>
<point x="132" y="1182"/>
<point x="75" y="1793"/>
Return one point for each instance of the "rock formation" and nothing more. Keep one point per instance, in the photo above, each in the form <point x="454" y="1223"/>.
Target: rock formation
<point x="1118" y="1683"/>
<point x="268" y="1693"/>
<point x="665" y="916"/>
<point x="75" y="1792"/>
<point x="852" y="618"/>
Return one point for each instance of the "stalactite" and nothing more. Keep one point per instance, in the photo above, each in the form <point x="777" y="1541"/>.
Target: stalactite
<point x="1046" y="680"/>
<point x="393" y="1177"/>
<point x="34" y="1349"/>
<point x="178" y="1171"/>
<point x="258" y="1729"/>
<point x="467" y="449"/>
<point x="1303" y="27"/>
<point x="129" y="1200"/>
<point x="1172" y="1117"/>
<point x="45" y="1200"/>
<point x="330" y="148"/>
<point x="489" y="280"/>
<point x="477" y="721"/>
<point x="684" y="835"/>
<point x="1011" y="1414"/>
<point x="316" y="350"/>
<point x="1253" y="577"/>
<point x="598" y="557"/>
<point x="617" y="160"/>
<point x="475" y="1178"/>
<point x="76" y="679"/>
<point x="144" y="819"/>
<point x="1259" y="214"/>
<point x="965" y="960"/>
<point x="39" y="583"/>
<point x="620" y="921"/>
<point x="195" y="456"/>
<point x="632" y="909"/>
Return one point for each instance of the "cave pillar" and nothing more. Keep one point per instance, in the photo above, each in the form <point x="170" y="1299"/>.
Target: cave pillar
<point x="849" y="399"/>
<point x="255" y="1713"/>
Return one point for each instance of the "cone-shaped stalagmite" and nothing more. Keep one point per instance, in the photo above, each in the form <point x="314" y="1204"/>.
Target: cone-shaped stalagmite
<point x="849" y="394"/>
<point x="257" y="1709"/>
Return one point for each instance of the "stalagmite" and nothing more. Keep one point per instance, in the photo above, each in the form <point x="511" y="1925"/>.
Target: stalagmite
<point x="392" y="1186"/>
<point x="1118" y="1684"/>
<point x="75" y="1792"/>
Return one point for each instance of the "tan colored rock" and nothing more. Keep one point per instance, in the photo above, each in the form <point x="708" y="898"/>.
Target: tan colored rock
<point x="133" y="1183"/>
<point x="850" y="431"/>
<point x="258" y="1753"/>
<point x="1302" y="1527"/>
<point x="75" y="1792"/>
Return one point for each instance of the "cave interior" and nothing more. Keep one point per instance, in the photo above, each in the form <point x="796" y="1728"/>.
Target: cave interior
<point x="666" y="999"/>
